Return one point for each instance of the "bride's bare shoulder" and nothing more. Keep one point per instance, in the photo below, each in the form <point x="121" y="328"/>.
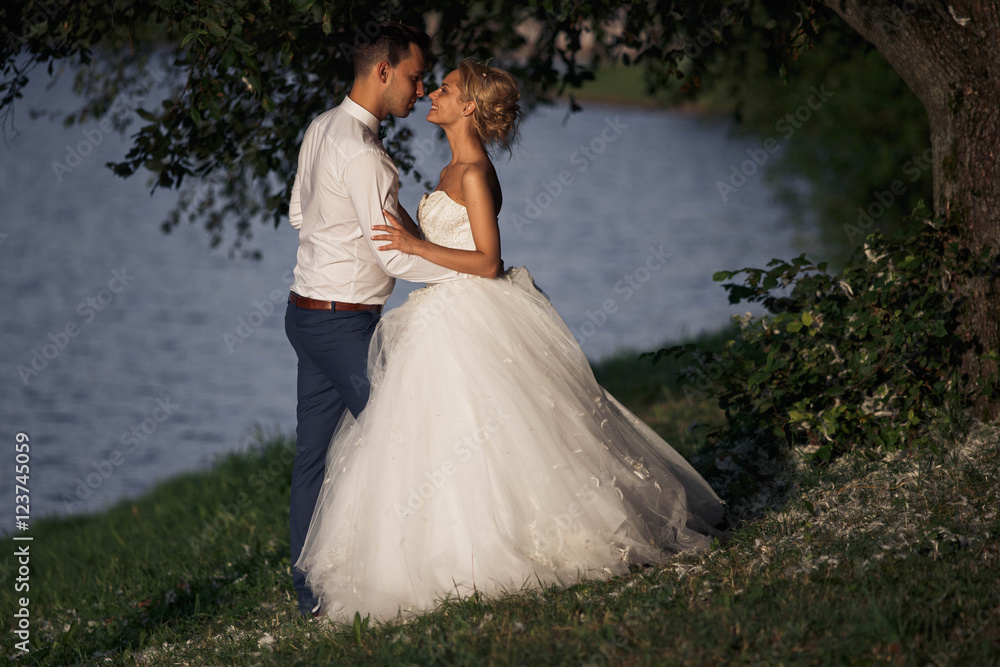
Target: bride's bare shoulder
<point x="474" y="173"/>
<point x="481" y="177"/>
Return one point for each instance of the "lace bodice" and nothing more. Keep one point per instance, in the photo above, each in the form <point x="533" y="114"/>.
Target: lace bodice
<point x="444" y="221"/>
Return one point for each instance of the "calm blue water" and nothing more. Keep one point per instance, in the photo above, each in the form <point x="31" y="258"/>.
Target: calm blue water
<point x="615" y="212"/>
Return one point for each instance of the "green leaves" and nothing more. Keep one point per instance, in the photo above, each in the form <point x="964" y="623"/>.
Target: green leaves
<point x="295" y="56"/>
<point x="192" y="35"/>
<point x="863" y="359"/>
<point x="214" y="28"/>
<point x="359" y="626"/>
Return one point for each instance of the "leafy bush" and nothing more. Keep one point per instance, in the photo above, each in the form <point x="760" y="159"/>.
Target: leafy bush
<point x="866" y="358"/>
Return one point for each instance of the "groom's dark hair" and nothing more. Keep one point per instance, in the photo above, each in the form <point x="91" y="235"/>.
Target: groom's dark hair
<point x="391" y="43"/>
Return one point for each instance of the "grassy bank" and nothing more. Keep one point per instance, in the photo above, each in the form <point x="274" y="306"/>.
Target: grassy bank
<point x="618" y="84"/>
<point x="622" y="85"/>
<point x="872" y="560"/>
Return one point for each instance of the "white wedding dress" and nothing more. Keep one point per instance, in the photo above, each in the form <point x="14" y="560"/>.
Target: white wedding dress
<point x="488" y="458"/>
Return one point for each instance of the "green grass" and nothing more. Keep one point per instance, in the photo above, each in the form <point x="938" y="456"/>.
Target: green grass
<point x="871" y="560"/>
<point x="618" y="84"/>
<point x="623" y="85"/>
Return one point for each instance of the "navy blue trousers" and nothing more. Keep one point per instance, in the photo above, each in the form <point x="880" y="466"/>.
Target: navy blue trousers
<point x="332" y="348"/>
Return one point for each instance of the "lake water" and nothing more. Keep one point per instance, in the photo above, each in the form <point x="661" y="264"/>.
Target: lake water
<point x="615" y="212"/>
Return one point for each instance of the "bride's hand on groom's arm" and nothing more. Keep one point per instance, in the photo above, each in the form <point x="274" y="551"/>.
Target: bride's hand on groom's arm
<point x="397" y="236"/>
<point x="406" y="222"/>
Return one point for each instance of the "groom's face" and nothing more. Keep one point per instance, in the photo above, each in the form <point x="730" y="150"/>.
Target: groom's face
<point x="406" y="84"/>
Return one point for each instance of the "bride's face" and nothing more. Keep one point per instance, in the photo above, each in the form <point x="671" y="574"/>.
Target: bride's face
<point x="446" y="103"/>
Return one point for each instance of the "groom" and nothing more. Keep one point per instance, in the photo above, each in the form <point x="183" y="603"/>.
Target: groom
<point x="344" y="180"/>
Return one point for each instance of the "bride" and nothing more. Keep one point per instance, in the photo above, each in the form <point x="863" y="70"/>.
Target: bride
<point x="488" y="458"/>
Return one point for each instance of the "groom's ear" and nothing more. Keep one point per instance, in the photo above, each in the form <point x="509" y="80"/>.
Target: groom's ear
<point x="382" y="71"/>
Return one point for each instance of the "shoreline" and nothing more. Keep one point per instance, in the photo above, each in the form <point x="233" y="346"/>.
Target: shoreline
<point x="692" y="108"/>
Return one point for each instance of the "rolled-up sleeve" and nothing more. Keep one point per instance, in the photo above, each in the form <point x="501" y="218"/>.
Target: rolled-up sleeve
<point x="372" y="184"/>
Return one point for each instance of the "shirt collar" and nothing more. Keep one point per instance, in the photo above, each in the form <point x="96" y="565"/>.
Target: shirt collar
<point x="364" y="115"/>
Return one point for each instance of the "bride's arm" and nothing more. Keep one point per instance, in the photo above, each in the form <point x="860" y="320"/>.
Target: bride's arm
<point x="407" y="223"/>
<point x="483" y="261"/>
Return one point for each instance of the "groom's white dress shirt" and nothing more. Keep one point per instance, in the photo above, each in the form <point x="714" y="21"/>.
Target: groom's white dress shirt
<point x="344" y="180"/>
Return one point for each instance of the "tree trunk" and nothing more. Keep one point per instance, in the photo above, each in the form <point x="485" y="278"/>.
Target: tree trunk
<point x="949" y="55"/>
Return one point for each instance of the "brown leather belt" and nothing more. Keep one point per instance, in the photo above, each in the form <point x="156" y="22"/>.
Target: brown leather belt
<point x="316" y="304"/>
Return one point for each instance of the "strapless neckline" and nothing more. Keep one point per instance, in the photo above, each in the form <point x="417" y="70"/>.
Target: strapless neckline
<point x="447" y="196"/>
<point x="444" y="221"/>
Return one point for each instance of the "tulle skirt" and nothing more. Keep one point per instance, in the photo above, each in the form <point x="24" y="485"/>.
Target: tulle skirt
<point x="489" y="459"/>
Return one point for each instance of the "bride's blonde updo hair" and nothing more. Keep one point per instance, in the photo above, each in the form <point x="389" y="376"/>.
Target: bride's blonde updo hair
<point x="496" y="96"/>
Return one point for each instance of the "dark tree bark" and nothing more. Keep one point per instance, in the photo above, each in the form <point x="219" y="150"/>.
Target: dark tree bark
<point x="949" y="55"/>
